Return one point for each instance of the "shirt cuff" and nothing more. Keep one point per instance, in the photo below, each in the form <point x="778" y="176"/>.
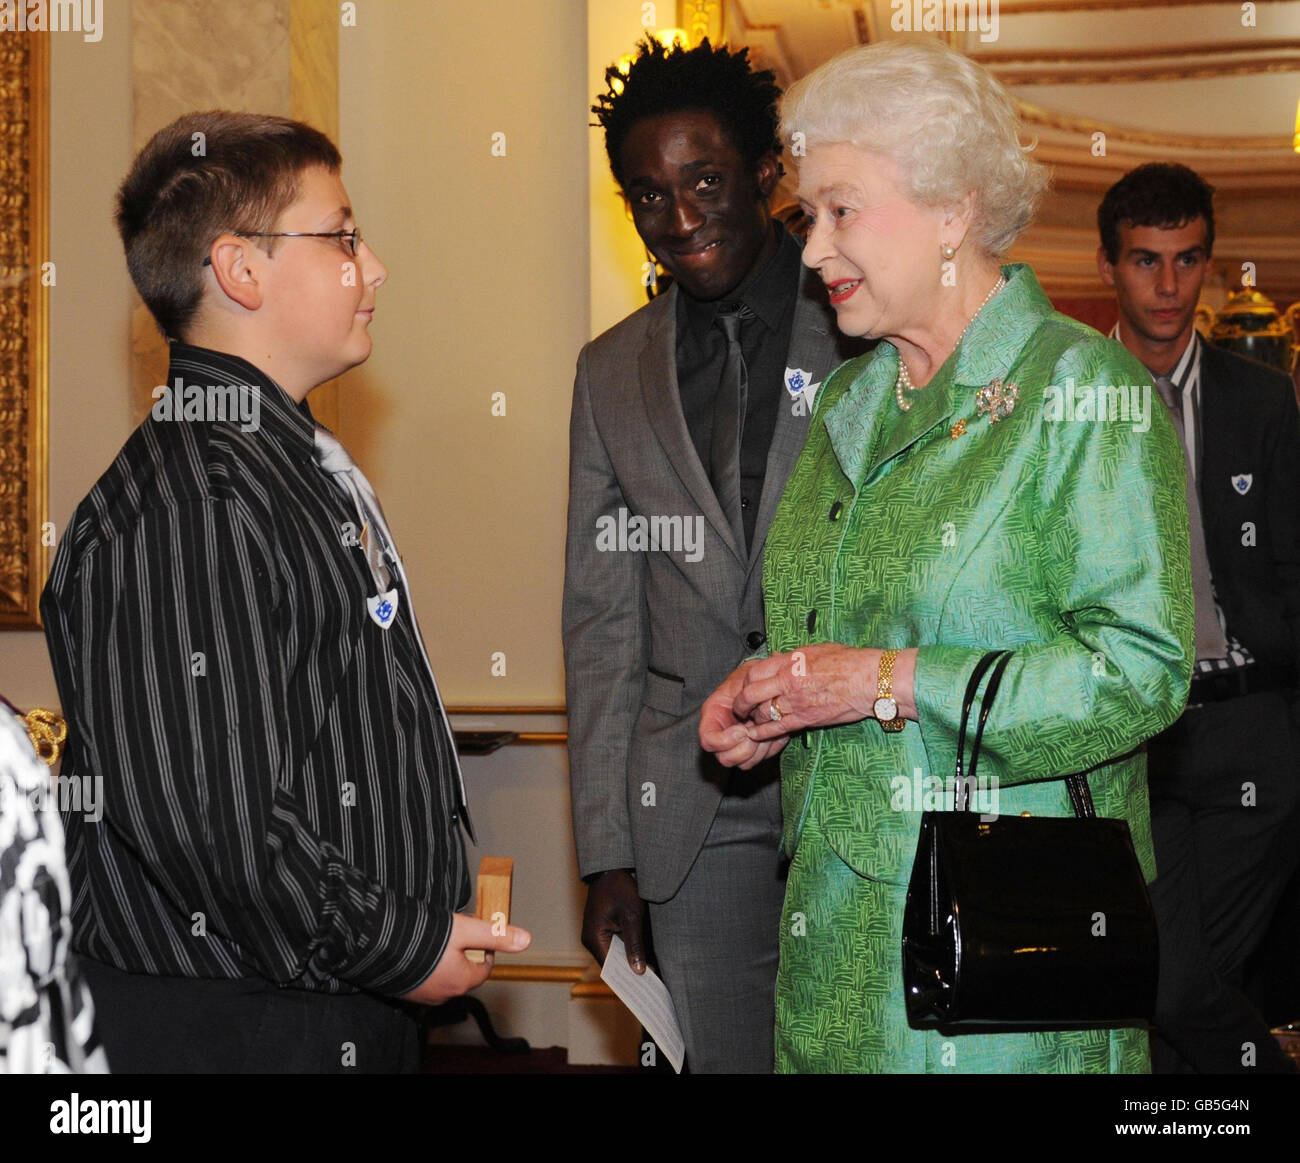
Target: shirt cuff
<point x="383" y="941"/>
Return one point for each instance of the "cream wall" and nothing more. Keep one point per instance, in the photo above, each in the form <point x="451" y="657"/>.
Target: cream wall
<point x="616" y="254"/>
<point x="487" y="293"/>
<point x="90" y="304"/>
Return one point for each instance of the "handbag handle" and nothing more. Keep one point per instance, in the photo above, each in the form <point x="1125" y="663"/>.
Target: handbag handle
<point x="1076" y="784"/>
<point x="981" y="667"/>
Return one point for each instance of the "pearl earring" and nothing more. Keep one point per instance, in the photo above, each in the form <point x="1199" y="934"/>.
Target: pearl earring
<point x="947" y="252"/>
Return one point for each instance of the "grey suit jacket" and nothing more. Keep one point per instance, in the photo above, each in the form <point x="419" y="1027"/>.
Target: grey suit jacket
<point x="655" y="618"/>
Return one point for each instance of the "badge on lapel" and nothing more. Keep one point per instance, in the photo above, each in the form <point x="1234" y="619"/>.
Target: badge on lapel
<point x="799" y="383"/>
<point x="383" y="609"/>
<point x="1241" y="483"/>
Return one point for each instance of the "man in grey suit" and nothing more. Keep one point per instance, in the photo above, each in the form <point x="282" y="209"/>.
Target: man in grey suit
<point x="687" y="419"/>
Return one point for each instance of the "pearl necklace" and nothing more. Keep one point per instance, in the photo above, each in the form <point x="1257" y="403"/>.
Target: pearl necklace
<point x="904" y="381"/>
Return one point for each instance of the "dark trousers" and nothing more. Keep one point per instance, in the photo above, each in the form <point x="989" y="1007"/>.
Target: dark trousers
<point x="716" y="940"/>
<point x="1224" y="784"/>
<point x="183" y="1025"/>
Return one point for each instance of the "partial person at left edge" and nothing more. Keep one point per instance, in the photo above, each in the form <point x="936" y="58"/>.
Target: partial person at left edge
<point x="47" y="1017"/>
<point x="279" y="863"/>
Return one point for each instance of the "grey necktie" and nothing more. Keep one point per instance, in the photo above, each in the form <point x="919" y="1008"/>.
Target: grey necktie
<point x="729" y="419"/>
<point x="1210" y="642"/>
<point x="333" y="459"/>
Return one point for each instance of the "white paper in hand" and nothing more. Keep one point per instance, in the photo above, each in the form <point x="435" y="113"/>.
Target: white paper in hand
<point x="648" y="999"/>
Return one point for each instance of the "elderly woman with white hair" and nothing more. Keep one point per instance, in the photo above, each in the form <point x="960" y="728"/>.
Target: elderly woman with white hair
<point x="947" y="503"/>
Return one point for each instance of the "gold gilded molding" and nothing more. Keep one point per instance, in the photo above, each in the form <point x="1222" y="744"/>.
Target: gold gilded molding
<point x="1035" y="115"/>
<point x="547" y="974"/>
<point x="1046" y="55"/>
<point x="700" y="19"/>
<point x="522" y="737"/>
<point x="24" y="326"/>
<point x="1039" y="7"/>
<point x="582" y="983"/>
<point x="1111" y="76"/>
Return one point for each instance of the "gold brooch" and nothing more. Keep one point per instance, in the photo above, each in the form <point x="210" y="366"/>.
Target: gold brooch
<point x="958" y="429"/>
<point x="997" y="400"/>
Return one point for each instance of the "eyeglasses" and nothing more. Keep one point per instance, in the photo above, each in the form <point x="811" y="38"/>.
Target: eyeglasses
<point x="353" y="237"/>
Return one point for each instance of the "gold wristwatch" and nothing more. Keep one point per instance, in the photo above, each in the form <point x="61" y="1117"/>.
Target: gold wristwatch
<point x="886" y="709"/>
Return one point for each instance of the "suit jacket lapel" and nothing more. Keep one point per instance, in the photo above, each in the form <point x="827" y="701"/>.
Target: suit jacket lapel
<point x="813" y="349"/>
<point x="865" y="427"/>
<point x="658" y="369"/>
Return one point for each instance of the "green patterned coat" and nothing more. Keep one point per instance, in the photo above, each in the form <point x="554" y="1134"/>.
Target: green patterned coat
<point x="1050" y="532"/>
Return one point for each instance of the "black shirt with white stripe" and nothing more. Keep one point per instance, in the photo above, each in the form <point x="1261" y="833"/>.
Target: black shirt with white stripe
<point x="280" y="796"/>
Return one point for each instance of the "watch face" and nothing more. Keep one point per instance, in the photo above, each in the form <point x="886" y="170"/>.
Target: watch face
<point x="885" y="710"/>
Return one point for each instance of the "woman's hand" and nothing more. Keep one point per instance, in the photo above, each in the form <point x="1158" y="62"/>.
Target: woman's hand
<point x="818" y="686"/>
<point x="727" y="735"/>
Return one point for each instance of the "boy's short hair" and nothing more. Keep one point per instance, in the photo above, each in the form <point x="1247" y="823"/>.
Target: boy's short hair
<point x="1161" y="194"/>
<point x="203" y="175"/>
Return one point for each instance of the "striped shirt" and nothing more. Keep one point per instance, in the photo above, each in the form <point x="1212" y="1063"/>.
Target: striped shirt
<point x="280" y="797"/>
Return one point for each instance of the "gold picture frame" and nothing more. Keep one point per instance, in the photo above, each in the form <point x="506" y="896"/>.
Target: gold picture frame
<point x="24" y="326"/>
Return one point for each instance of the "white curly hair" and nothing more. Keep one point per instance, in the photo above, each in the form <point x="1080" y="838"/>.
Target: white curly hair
<point x="942" y="118"/>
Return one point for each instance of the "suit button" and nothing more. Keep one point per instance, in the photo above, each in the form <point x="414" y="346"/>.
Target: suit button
<point x="836" y="510"/>
<point x="744" y="502"/>
<point x="755" y="638"/>
<point x="812" y="621"/>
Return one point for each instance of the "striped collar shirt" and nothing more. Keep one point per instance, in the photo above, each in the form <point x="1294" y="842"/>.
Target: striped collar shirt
<point x="1186" y="378"/>
<point x="279" y="792"/>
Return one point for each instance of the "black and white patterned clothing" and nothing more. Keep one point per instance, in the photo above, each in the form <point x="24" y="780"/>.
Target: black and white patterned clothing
<point x="47" y="1019"/>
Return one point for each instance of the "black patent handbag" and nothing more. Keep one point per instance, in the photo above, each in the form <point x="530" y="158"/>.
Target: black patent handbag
<point x="1025" y="922"/>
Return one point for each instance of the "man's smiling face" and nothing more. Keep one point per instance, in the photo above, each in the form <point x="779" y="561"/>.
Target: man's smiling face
<point x="696" y="206"/>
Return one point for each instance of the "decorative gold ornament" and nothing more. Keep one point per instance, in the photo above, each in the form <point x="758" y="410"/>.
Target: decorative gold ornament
<point x="958" y="429"/>
<point x="48" y="732"/>
<point x="1250" y="324"/>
